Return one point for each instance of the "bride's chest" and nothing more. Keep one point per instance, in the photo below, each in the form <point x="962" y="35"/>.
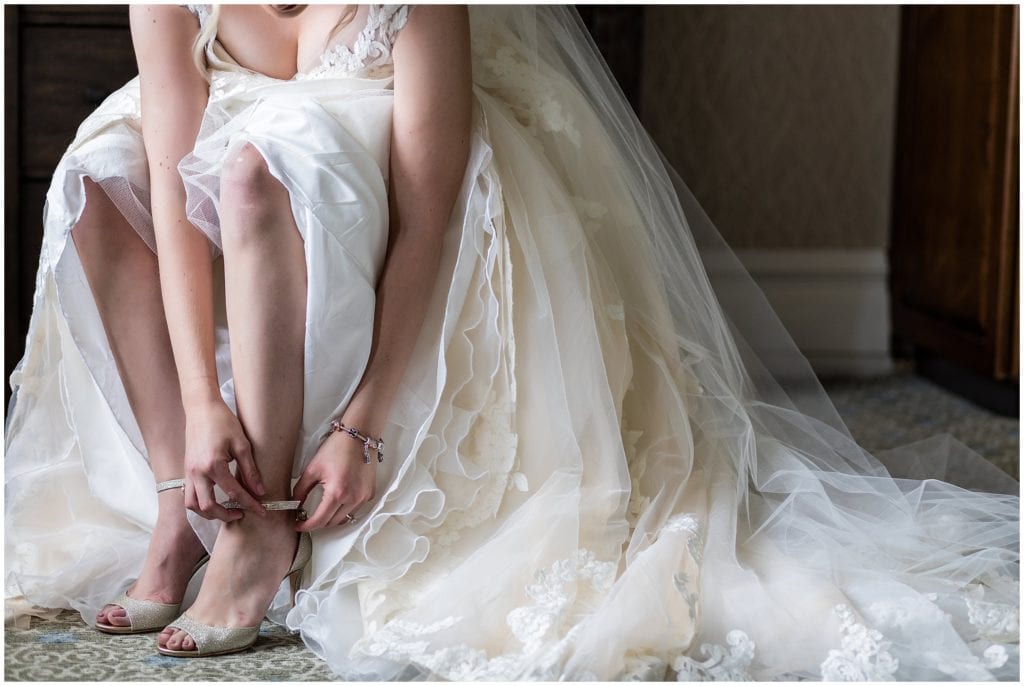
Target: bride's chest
<point x="318" y="42"/>
<point x="283" y="45"/>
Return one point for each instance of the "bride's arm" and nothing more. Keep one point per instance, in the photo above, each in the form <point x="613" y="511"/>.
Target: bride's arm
<point x="429" y="151"/>
<point x="174" y="96"/>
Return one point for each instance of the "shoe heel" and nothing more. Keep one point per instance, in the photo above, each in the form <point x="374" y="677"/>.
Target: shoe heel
<point x="294" y="580"/>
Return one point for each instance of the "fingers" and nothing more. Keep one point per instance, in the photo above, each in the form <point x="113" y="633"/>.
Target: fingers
<point x="324" y="512"/>
<point x="189" y="493"/>
<point x="234" y="490"/>
<point x="347" y="485"/>
<point x="333" y="510"/>
<point x="206" y="504"/>
<point x="341" y="516"/>
<point x="306" y="483"/>
<point x="247" y="468"/>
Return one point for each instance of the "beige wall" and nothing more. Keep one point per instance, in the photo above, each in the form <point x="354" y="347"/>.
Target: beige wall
<point x="780" y="119"/>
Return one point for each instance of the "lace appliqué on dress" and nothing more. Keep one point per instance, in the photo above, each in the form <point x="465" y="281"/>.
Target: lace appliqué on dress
<point x="556" y="591"/>
<point x="532" y="96"/>
<point x="547" y="626"/>
<point x="370" y="54"/>
<point x="368" y="57"/>
<point x="863" y="654"/>
<point x="997" y="621"/>
<point x="723" y="663"/>
<point x="562" y="591"/>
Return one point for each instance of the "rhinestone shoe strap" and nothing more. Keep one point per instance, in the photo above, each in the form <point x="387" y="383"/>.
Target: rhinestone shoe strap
<point x="168" y="485"/>
<point x="145" y="614"/>
<point x="300" y="514"/>
<point x="267" y="505"/>
<point x="215" y="639"/>
<point x="233" y="504"/>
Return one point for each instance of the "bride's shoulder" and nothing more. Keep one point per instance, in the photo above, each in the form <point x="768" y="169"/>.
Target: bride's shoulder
<point x="156" y="19"/>
<point x="436" y="19"/>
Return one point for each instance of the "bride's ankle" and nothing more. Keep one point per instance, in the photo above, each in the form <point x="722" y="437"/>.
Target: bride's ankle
<point x="173" y="518"/>
<point x="272" y="525"/>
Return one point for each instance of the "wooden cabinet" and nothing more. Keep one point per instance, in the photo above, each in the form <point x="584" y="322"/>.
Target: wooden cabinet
<point x="955" y="202"/>
<point x="61" y="62"/>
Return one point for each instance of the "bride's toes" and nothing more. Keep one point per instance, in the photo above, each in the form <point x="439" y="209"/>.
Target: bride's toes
<point x="113" y="615"/>
<point x="174" y="640"/>
<point x="178" y="640"/>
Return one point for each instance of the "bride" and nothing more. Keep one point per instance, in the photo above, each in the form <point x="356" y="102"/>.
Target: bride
<point x="443" y="353"/>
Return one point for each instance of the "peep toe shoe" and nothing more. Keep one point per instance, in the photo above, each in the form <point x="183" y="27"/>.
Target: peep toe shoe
<point x="147" y="615"/>
<point x="219" y="640"/>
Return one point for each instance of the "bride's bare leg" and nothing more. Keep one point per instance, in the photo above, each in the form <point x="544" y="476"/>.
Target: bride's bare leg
<point x="265" y="277"/>
<point x="122" y="274"/>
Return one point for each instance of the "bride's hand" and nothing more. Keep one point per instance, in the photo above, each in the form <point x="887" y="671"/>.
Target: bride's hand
<point x="348" y="482"/>
<point x="213" y="438"/>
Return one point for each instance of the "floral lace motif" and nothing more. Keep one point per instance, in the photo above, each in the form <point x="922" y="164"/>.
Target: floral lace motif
<point x="370" y="54"/>
<point x="723" y="663"/>
<point x="863" y="655"/>
<point x="557" y="589"/>
<point x="994" y="620"/>
<point x="533" y="96"/>
<point x="571" y="588"/>
<point x="563" y="591"/>
<point x="971" y="668"/>
<point x="994" y="657"/>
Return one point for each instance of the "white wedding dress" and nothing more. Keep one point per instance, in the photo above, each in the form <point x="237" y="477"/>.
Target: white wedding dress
<point x="589" y="473"/>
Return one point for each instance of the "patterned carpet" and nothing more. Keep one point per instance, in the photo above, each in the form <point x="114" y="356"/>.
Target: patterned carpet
<point x="881" y="413"/>
<point x="65" y="649"/>
<point x="890" y="411"/>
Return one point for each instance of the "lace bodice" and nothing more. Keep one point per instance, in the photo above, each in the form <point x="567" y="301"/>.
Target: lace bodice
<point x="367" y="55"/>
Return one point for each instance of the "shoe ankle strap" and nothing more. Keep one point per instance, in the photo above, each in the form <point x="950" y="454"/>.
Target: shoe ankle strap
<point x="267" y="504"/>
<point x="300" y="514"/>
<point x="234" y="504"/>
<point x="168" y="485"/>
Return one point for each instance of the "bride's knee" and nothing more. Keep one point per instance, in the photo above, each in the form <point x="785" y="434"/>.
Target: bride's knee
<point x="249" y="193"/>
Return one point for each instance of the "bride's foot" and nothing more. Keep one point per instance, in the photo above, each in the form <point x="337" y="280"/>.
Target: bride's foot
<point x="170" y="562"/>
<point x="249" y="559"/>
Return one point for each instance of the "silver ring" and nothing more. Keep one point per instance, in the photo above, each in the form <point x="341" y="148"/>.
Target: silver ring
<point x="351" y="518"/>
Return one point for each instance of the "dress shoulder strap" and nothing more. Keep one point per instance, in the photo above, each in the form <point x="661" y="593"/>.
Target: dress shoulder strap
<point x="385" y="21"/>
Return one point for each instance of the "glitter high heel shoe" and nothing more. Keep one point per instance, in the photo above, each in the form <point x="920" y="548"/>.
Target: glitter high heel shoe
<point x="219" y="640"/>
<point x="147" y="615"/>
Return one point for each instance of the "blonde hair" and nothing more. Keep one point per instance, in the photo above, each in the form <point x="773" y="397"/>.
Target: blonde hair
<point x="209" y="30"/>
<point x="206" y="33"/>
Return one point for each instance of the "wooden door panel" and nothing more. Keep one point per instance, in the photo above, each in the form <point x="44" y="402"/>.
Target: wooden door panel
<point x="954" y="240"/>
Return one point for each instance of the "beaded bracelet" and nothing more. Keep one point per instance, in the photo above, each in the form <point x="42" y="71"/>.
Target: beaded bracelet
<point x="375" y="443"/>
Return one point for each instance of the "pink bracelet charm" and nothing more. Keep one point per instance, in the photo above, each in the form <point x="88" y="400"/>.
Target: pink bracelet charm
<point x="376" y="444"/>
